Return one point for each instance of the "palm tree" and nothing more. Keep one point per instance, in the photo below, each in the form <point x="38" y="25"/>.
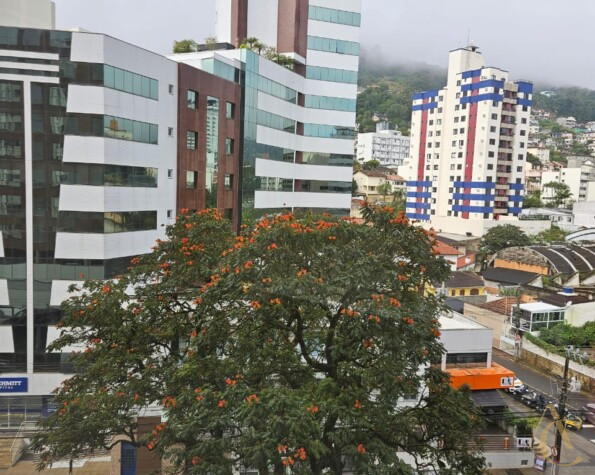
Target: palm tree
<point x="253" y="44"/>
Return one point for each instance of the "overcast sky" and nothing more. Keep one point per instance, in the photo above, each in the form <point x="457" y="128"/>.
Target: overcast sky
<point x="542" y="40"/>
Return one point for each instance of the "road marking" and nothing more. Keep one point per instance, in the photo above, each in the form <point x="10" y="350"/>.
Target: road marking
<point x="588" y="426"/>
<point x="593" y="440"/>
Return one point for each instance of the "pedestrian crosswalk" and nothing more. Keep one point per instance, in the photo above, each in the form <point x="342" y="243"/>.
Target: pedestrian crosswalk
<point x="588" y="426"/>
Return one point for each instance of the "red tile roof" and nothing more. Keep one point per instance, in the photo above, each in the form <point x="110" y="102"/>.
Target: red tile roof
<point x="502" y="306"/>
<point x="446" y="250"/>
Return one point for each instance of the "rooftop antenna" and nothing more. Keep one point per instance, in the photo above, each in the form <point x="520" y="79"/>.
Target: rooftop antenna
<point x="468" y="35"/>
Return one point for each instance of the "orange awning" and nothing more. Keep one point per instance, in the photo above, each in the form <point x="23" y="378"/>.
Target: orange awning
<point x="496" y="377"/>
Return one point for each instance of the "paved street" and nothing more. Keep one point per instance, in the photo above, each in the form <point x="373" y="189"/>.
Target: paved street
<point x="583" y="442"/>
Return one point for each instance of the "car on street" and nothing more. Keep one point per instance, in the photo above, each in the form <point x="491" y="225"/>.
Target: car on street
<point x="516" y="386"/>
<point x="588" y="413"/>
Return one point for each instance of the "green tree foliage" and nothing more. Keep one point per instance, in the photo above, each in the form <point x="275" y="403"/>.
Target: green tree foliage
<point x="568" y="101"/>
<point x="371" y="164"/>
<point x="384" y="189"/>
<point x="269" y="52"/>
<point x="554" y="234"/>
<point x="287" y="346"/>
<point x="563" y="335"/>
<point x="185" y="46"/>
<point x="533" y="200"/>
<point x="388" y="91"/>
<point x="501" y="237"/>
<point x="556" y="193"/>
<point x="533" y="160"/>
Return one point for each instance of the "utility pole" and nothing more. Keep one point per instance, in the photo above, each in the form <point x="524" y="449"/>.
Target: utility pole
<point x="517" y="324"/>
<point x="561" y="416"/>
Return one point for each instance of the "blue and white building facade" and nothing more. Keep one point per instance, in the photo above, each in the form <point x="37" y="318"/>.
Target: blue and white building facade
<point x="468" y="147"/>
<point x="87" y="178"/>
<point x="299" y="129"/>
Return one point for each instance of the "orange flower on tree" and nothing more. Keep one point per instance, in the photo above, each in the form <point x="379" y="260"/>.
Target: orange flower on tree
<point x="361" y="449"/>
<point x="357" y="404"/>
<point x="255" y="305"/>
<point x="230" y="382"/>
<point x="312" y="409"/>
<point x="106" y="289"/>
<point x="275" y="301"/>
<point x="302" y="272"/>
<point x="282" y="448"/>
<point x="436" y="332"/>
<point x="272" y="246"/>
<point x="222" y="403"/>
<point x="408" y="320"/>
<point x="394" y="302"/>
<point x="252" y="399"/>
<point x="300" y="454"/>
<point x="195" y="460"/>
<point x="288" y="461"/>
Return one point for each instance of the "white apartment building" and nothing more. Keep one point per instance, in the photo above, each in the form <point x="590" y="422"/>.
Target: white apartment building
<point x="468" y="147"/>
<point x="389" y="147"/>
<point x="299" y="129"/>
<point x="578" y="179"/>
<point x="88" y="158"/>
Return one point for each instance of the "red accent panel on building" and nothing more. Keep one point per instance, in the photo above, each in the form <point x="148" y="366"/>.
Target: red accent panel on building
<point x="239" y="21"/>
<point x="292" y="27"/>
<point x="471" y="134"/>
<point x="194" y="160"/>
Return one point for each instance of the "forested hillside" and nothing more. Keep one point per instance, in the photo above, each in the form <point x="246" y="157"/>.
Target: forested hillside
<point x="387" y="92"/>
<point x="568" y="101"/>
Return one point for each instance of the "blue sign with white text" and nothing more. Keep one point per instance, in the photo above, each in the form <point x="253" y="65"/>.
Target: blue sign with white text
<point x="14" y="385"/>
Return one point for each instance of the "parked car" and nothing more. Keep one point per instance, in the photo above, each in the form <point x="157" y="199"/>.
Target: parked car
<point x="518" y="384"/>
<point x="573" y="422"/>
<point x="588" y="413"/>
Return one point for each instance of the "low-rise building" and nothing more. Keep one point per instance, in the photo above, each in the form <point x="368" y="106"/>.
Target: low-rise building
<point x="543" y="153"/>
<point x="368" y="182"/>
<point x="463" y="284"/>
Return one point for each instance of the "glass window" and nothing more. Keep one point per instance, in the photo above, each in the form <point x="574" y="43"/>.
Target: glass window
<point x="128" y="81"/>
<point x="119" y="79"/>
<point x="229" y="146"/>
<point x="154" y="89"/>
<point x="10" y="92"/>
<point x="228" y="184"/>
<point x="146" y="86"/>
<point x="191" y="179"/>
<point x="230" y="110"/>
<point x="191" y="140"/>
<point x="329" y="74"/>
<point x="192" y="99"/>
<point x="333" y="46"/>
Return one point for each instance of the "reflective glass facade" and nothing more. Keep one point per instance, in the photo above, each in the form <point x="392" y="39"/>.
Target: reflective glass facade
<point x="331" y="45"/>
<point x="104" y="175"/>
<point x="50" y="122"/>
<point x="330" y="74"/>
<point x="212" y="151"/>
<point x="122" y="80"/>
<point x="330" y="103"/>
<point x="106" y="223"/>
<point x="329" y="131"/>
<point x="334" y="16"/>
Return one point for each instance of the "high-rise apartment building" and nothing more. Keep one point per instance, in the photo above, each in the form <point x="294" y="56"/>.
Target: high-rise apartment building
<point x="389" y="147"/>
<point x="297" y="147"/>
<point x="87" y="179"/>
<point x="468" y="147"/>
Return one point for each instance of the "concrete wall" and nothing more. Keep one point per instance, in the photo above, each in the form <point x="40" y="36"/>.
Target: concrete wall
<point x="584" y="213"/>
<point x="578" y="315"/>
<point x="487" y="318"/>
<point x="478" y="227"/>
<point x="554" y="364"/>
<point x="28" y="13"/>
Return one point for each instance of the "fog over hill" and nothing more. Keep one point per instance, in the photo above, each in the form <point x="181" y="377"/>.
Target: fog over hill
<point x="387" y="87"/>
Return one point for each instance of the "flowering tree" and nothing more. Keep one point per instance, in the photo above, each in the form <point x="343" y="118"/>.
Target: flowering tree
<point x="289" y="346"/>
